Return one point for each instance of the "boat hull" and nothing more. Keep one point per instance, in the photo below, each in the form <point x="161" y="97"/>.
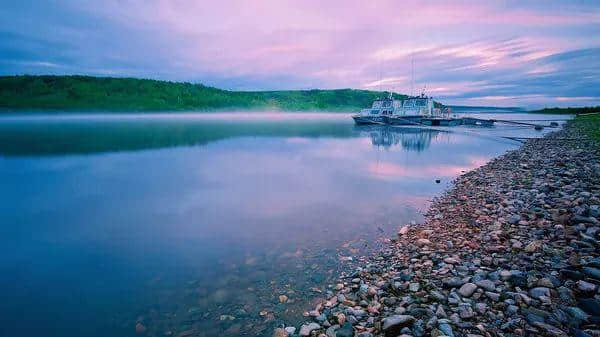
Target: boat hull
<point x="366" y="120"/>
<point x="477" y="121"/>
<point x="441" y="121"/>
<point x="404" y="120"/>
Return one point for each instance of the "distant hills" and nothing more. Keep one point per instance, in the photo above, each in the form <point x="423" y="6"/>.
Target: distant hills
<point x="487" y="108"/>
<point x="570" y="111"/>
<point x="85" y="93"/>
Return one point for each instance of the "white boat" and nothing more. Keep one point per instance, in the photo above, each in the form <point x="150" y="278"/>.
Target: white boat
<point x="378" y="112"/>
<point x="389" y="110"/>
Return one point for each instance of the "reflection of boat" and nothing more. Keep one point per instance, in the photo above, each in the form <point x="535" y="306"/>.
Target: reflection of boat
<point x="417" y="139"/>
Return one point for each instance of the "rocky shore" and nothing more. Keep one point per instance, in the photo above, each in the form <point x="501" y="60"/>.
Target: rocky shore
<point x="513" y="249"/>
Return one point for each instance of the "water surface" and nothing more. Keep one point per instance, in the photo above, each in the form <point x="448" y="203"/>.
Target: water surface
<point x="198" y="223"/>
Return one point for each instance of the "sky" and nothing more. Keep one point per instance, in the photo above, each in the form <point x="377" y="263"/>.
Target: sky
<point x="498" y="53"/>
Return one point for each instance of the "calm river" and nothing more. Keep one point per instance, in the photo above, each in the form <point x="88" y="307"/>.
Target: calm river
<point x="195" y="224"/>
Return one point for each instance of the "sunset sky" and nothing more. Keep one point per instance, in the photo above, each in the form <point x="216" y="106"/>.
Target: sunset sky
<point x="500" y="53"/>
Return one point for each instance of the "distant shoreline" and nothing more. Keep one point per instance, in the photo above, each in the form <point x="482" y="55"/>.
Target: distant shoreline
<point x="567" y="111"/>
<point x="88" y="94"/>
<point x="115" y="95"/>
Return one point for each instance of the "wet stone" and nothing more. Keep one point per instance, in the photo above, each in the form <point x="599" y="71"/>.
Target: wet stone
<point x="514" y="219"/>
<point x="453" y="282"/>
<point x="486" y="284"/>
<point x="414" y="287"/>
<point x="393" y="324"/>
<point x="446" y="329"/>
<point x="592" y="272"/>
<point x="306" y="329"/>
<point x="345" y="330"/>
<point x="539" y="291"/>
<point x="586" y="287"/>
<point x="467" y="289"/>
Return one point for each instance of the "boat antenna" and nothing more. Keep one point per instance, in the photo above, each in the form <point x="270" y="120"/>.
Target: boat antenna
<point x="380" y="89"/>
<point x="412" y="76"/>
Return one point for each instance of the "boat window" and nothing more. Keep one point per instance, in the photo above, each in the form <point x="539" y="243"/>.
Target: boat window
<point x="421" y="102"/>
<point x="408" y="104"/>
<point x="387" y="104"/>
<point x="377" y="104"/>
<point x="374" y="112"/>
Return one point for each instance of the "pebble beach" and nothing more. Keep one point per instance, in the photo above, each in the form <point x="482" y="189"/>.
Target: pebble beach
<point x="511" y="249"/>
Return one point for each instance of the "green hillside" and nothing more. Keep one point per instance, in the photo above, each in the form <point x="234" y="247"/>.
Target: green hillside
<point x="570" y="111"/>
<point x="77" y="93"/>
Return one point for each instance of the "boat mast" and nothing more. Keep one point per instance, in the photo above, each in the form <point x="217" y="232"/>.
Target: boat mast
<point x="412" y="76"/>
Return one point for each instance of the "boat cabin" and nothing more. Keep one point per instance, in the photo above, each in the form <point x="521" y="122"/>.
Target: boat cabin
<point x="383" y="107"/>
<point x="412" y="106"/>
<point x="416" y="106"/>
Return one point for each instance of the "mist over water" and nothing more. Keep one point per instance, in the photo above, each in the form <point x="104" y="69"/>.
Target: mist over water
<point x="176" y="220"/>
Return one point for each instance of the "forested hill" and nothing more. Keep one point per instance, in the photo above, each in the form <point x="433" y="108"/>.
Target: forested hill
<point x="569" y="111"/>
<point x="81" y="93"/>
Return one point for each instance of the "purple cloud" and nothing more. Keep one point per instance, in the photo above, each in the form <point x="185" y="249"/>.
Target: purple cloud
<point x="468" y="52"/>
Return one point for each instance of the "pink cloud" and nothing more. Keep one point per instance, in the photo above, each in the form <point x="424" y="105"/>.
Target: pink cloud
<point x="457" y="46"/>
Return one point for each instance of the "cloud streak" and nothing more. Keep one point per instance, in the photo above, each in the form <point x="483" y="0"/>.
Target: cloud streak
<point x="467" y="52"/>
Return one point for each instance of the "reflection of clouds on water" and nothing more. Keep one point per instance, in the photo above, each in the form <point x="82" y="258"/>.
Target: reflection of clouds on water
<point x="413" y="139"/>
<point x="395" y="171"/>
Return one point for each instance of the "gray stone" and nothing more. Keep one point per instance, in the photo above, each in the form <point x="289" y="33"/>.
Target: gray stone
<point x="453" y="282"/>
<point x="481" y="308"/>
<point x="486" y="284"/>
<point x="533" y="246"/>
<point x="306" y="329"/>
<point x="414" y="287"/>
<point x="345" y="331"/>
<point x="512" y="309"/>
<point x="539" y="291"/>
<point x="577" y="314"/>
<point x="592" y="272"/>
<point x="586" y="287"/>
<point x="532" y="318"/>
<point x="466" y="312"/>
<point x="418" y="329"/>
<point x="437" y="295"/>
<point x="467" y="289"/>
<point x="393" y="324"/>
<point x="492" y="296"/>
<point x="514" y="219"/>
<point x="505" y="275"/>
<point x="351" y="319"/>
<point x="446" y="329"/>
<point x="550" y="329"/>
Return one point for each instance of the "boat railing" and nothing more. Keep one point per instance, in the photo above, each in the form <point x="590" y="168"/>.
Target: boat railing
<point x="369" y="111"/>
